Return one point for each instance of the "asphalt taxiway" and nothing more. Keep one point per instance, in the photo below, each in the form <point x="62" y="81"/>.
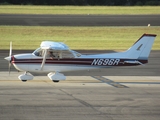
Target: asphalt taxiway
<point x="80" y="97"/>
<point x="79" y="20"/>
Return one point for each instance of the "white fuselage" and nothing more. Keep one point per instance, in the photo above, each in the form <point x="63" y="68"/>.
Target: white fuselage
<point x="30" y="62"/>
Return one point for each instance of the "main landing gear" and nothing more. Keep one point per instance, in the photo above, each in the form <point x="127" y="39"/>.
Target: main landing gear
<point x="24" y="80"/>
<point x="56" y="76"/>
<point x="56" y="81"/>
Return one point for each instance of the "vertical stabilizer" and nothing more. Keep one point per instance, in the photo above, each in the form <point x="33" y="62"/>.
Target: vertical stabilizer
<point x="142" y="47"/>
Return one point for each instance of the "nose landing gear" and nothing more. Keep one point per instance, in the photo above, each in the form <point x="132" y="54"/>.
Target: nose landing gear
<point x="26" y="76"/>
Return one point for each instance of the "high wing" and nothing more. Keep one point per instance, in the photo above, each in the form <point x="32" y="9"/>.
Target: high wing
<point x="59" y="49"/>
<point x="54" y="45"/>
<point x="56" y="50"/>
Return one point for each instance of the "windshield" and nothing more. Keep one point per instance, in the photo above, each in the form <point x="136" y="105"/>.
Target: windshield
<point x="38" y="52"/>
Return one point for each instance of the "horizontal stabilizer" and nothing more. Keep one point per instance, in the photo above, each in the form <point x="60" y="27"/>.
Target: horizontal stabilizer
<point x="134" y="62"/>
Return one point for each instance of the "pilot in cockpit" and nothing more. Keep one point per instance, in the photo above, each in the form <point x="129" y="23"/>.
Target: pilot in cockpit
<point x="51" y="55"/>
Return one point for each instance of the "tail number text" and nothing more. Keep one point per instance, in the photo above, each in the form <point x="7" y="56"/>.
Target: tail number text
<point x="105" y="62"/>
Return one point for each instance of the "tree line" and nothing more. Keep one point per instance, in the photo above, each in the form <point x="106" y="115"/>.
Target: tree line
<point x="82" y="2"/>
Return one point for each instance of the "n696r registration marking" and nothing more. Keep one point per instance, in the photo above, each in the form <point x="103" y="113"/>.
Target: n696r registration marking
<point x="105" y="62"/>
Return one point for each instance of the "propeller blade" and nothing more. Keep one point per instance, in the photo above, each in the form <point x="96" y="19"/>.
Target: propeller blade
<point x="10" y="54"/>
<point x="9" y="69"/>
<point x="44" y="59"/>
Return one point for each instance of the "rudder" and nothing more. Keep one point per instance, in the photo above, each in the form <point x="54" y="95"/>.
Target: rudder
<point x="142" y="47"/>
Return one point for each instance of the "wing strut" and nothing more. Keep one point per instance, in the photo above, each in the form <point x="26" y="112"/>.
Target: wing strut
<point x="44" y="58"/>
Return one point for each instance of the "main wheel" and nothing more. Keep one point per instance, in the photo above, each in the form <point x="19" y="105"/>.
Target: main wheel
<point x="56" y="81"/>
<point x="24" y="80"/>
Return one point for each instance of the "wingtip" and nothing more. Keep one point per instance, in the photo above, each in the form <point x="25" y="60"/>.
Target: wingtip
<point x="146" y="34"/>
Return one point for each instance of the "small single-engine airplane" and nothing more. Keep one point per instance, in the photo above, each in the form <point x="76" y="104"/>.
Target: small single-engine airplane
<point x="55" y="57"/>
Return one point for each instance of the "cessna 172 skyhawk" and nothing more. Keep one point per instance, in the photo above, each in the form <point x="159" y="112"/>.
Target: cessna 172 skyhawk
<point x="55" y="57"/>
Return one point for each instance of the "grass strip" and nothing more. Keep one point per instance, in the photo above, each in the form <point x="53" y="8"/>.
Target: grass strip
<point x="100" y="38"/>
<point x="31" y="9"/>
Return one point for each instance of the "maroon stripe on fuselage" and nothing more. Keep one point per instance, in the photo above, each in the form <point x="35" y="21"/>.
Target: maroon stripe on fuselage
<point x="81" y="61"/>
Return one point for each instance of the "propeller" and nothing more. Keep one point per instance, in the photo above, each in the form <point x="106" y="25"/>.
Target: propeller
<point x="10" y="56"/>
<point x="10" y="52"/>
<point x="44" y="58"/>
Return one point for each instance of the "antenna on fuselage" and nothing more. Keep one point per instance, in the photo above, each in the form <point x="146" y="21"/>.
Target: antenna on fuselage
<point x="64" y="41"/>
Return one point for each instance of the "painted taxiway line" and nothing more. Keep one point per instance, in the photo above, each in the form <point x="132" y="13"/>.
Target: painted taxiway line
<point x="14" y="76"/>
<point x="116" y="81"/>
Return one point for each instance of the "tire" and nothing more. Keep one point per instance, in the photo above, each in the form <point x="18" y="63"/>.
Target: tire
<point x="24" y="80"/>
<point x="56" y="81"/>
